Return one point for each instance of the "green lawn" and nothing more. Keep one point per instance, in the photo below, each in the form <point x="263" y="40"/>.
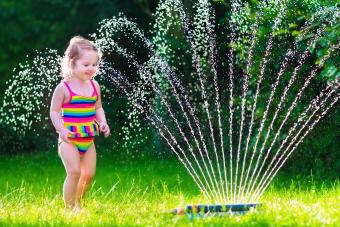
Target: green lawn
<point x="141" y="192"/>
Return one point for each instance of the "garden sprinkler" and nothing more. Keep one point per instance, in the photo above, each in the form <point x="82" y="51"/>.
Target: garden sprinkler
<point x="238" y="208"/>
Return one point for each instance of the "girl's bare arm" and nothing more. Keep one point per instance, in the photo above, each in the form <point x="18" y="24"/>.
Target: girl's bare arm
<point x="100" y="114"/>
<point x="55" y="108"/>
<point x="55" y="112"/>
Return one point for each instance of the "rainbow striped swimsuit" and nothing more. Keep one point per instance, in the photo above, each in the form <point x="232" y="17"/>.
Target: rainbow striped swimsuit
<point x="79" y="115"/>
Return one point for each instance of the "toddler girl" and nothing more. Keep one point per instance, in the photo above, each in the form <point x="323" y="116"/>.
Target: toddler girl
<point x="77" y="115"/>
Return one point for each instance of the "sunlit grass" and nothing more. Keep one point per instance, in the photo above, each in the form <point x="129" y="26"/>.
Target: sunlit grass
<point x="142" y="192"/>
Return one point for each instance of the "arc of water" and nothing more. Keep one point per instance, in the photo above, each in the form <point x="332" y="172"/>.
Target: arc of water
<point x="299" y="95"/>
<point x="190" y="109"/>
<point x="198" y="68"/>
<point x="262" y="69"/>
<point x="297" y="98"/>
<point x="158" y="91"/>
<point x="296" y="145"/>
<point x="230" y="57"/>
<point x="207" y="195"/>
<point x="212" y="61"/>
<point x="264" y="118"/>
<point x="123" y="84"/>
<point x="245" y="89"/>
<point x="192" y="112"/>
<point x="136" y="31"/>
<point x="199" y="183"/>
<point x="317" y="104"/>
<point x="133" y="61"/>
<point x="305" y="29"/>
<point x="218" y="106"/>
<point x="283" y="67"/>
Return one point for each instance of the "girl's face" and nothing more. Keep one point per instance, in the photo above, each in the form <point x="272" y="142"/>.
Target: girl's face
<point x="86" y="66"/>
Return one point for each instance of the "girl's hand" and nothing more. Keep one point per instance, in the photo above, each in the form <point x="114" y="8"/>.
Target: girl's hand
<point x="64" y="133"/>
<point x="105" y="129"/>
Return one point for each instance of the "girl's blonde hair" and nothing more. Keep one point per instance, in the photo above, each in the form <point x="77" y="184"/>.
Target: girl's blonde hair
<point x="72" y="54"/>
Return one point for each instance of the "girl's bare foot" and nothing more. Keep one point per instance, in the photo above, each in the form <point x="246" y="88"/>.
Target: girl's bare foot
<point x="77" y="206"/>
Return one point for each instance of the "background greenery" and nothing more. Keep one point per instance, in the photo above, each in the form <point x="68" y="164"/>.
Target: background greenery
<point x="30" y="25"/>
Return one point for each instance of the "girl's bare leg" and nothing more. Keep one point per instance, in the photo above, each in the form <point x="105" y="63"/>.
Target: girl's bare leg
<point x="87" y="173"/>
<point x="70" y="156"/>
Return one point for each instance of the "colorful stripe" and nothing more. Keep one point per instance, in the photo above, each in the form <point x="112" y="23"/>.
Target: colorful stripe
<point x="79" y="116"/>
<point x="82" y="144"/>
